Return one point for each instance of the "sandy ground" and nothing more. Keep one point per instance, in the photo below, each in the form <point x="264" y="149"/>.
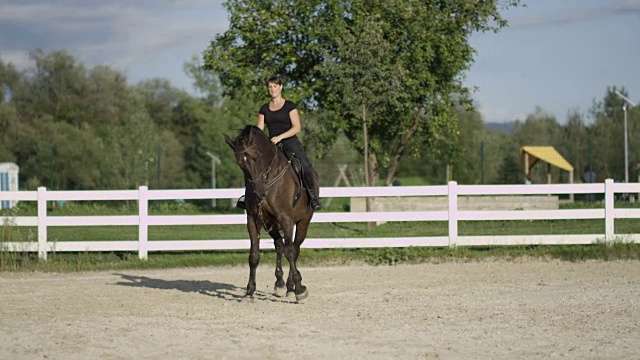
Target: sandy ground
<point x="487" y="310"/>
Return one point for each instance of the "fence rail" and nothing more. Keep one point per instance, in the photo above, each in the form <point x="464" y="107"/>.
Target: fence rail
<point x="452" y="215"/>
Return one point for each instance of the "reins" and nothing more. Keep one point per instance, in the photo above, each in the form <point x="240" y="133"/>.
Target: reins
<point x="279" y="176"/>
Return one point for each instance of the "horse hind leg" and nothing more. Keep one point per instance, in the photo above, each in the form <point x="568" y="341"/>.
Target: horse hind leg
<point x="279" y="287"/>
<point x="290" y="285"/>
<point x="302" y="227"/>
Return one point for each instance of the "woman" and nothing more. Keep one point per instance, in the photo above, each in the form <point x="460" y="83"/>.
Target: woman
<point x="283" y="121"/>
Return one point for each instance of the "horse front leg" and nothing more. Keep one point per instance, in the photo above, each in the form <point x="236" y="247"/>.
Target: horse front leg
<point x="292" y="254"/>
<point x="279" y="287"/>
<point x="254" y="254"/>
<point x="302" y="227"/>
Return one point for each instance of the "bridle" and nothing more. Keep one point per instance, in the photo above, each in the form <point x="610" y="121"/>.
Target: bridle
<point x="263" y="177"/>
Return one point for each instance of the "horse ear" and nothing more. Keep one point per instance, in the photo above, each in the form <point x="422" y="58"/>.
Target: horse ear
<point x="229" y="141"/>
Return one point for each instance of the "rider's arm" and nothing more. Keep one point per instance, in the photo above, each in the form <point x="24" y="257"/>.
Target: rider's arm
<point x="260" y="123"/>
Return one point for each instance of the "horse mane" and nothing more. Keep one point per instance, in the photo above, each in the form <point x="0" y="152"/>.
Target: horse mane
<point x="250" y="140"/>
<point x="248" y="131"/>
<point x="253" y="134"/>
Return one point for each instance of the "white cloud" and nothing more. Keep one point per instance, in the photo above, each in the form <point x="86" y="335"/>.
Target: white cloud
<point x="54" y="14"/>
<point x="500" y="115"/>
<point x="121" y="33"/>
<point x="19" y="59"/>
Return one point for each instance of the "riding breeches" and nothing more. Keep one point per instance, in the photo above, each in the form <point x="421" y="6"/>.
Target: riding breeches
<point x="292" y="145"/>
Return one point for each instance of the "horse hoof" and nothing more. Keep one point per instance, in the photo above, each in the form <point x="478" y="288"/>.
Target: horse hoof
<point x="290" y="293"/>
<point x="248" y="299"/>
<point x="302" y="296"/>
<point x="280" y="291"/>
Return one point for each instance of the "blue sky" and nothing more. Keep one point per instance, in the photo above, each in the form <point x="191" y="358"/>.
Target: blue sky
<point x="559" y="55"/>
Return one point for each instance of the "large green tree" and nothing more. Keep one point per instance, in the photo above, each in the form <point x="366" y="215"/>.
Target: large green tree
<point x="607" y="134"/>
<point x="209" y="115"/>
<point x="403" y="60"/>
<point x="576" y="142"/>
<point x="72" y="127"/>
<point x="9" y="77"/>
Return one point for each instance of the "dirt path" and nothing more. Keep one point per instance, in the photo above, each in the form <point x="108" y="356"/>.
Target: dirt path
<point x="487" y="310"/>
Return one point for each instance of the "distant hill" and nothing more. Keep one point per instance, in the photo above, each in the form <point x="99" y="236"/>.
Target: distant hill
<point x="504" y="127"/>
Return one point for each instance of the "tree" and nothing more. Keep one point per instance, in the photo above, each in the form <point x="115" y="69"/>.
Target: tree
<point x="56" y="86"/>
<point x="608" y="135"/>
<point x="510" y="171"/>
<point x="576" y="144"/>
<point x="468" y="164"/>
<point x="78" y="128"/>
<point x="364" y="85"/>
<point x="9" y="77"/>
<point x="160" y="99"/>
<point x="233" y="114"/>
<point x="206" y="84"/>
<point x="417" y="50"/>
<point x="539" y="129"/>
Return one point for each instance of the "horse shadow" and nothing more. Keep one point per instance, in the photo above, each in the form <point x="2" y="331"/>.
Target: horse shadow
<point x="221" y="291"/>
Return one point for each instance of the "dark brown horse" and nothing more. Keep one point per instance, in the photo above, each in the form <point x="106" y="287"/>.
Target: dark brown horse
<point x="275" y="200"/>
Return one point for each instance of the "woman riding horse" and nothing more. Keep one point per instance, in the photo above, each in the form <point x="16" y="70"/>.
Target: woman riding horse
<point x="283" y="121"/>
<point x="274" y="202"/>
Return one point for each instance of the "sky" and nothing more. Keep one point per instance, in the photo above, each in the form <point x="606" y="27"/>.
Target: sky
<point x="558" y="55"/>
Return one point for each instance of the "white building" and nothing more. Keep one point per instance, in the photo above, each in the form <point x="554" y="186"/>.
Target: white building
<point x="8" y="182"/>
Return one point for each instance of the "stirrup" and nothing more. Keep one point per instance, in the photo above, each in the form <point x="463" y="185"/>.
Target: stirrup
<point x="240" y="203"/>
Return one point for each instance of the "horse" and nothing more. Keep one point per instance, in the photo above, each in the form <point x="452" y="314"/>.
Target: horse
<point x="275" y="199"/>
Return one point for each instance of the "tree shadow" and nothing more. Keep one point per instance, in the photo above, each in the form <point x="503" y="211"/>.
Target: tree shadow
<point x="222" y="291"/>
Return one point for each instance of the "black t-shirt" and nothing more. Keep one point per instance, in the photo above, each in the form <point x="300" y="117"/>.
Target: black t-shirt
<point x="277" y="121"/>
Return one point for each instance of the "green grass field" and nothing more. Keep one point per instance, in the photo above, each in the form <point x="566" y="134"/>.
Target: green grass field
<point x="389" y="256"/>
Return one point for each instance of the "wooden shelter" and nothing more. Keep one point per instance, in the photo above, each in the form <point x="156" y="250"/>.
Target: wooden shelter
<point x="530" y="155"/>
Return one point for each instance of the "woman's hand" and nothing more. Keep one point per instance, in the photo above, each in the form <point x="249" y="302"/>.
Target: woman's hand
<point x="276" y="139"/>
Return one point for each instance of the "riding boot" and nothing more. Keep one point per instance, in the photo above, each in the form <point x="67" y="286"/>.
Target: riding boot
<point x="313" y="197"/>
<point x="240" y="203"/>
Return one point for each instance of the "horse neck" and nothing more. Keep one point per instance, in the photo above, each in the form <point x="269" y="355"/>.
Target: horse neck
<point x="268" y="156"/>
<point x="276" y="168"/>
<point x="275" y="160"/>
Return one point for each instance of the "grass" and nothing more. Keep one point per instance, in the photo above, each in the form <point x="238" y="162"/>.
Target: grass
<point x="72" y="262"/>
<point x="90" y="261"/>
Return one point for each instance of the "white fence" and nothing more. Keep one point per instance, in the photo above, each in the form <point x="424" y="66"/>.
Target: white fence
<point x="143" y="220"/>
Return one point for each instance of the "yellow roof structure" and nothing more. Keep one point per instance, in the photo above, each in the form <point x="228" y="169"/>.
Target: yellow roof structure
<point x="547" y="154"/>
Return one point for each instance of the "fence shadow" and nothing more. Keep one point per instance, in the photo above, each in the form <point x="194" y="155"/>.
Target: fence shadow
<point x="222" y="291"/>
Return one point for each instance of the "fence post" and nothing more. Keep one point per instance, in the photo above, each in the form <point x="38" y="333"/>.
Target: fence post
<point x="609" y="195"/>
<point x="453" y="213"/>
<point x="143" y="227"/>
<point x="42" y="223"/>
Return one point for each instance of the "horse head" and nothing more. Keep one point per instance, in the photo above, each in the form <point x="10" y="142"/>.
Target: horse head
<point x="254" y="153"/>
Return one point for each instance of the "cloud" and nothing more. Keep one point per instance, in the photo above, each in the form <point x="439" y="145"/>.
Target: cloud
<point x="19" y="59"/>
<point x="38" y="13"/>
<point x="497" y="115"/>
<point x="121" y="33"/>
<point x="578" y="15"/>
